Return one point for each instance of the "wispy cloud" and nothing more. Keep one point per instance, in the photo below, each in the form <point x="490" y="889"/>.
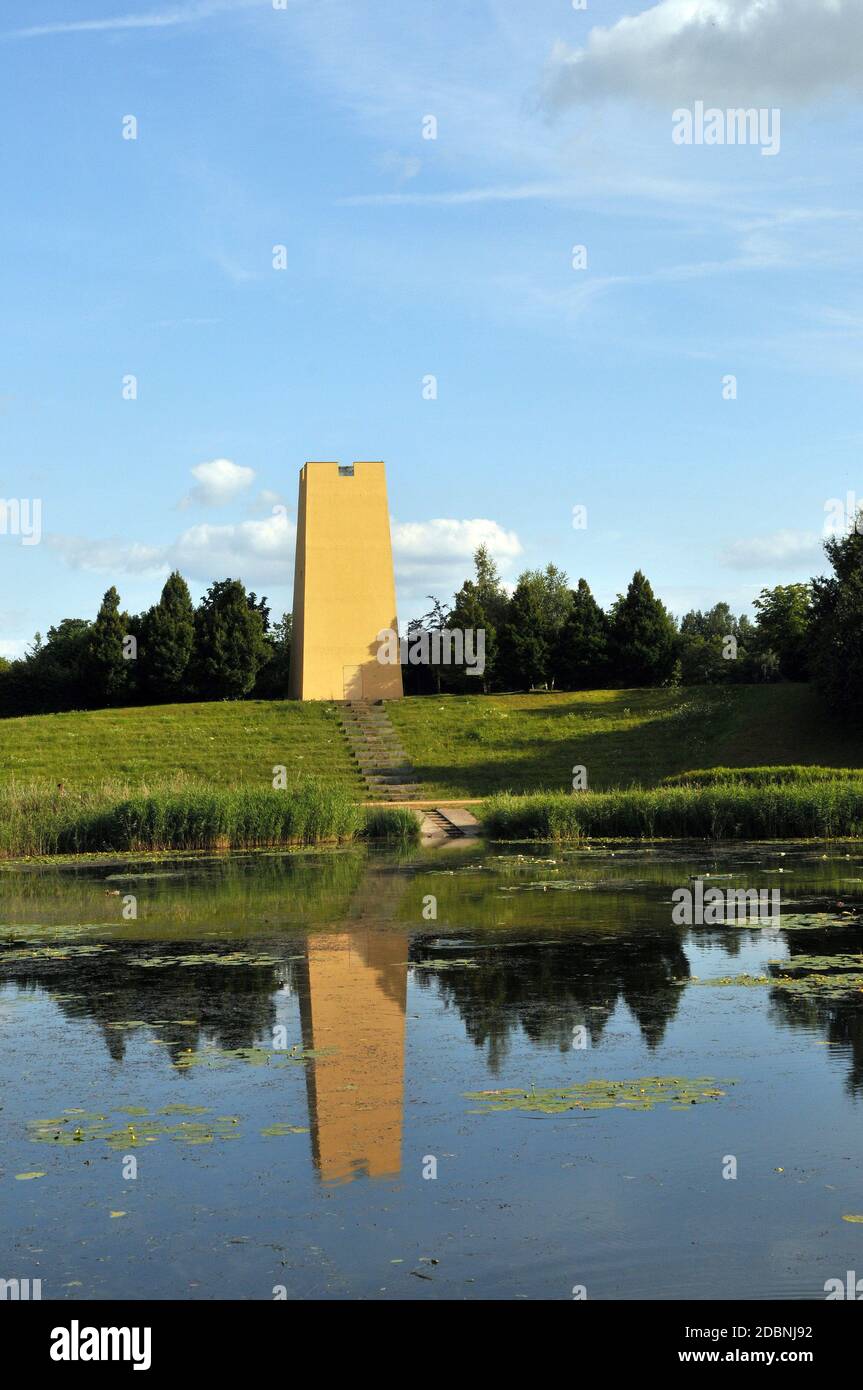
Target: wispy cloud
<point x="153" y="19"/>
<point x="255" y="551"/>
<point x="262" y="550"/>
<point x="786" y="550"/>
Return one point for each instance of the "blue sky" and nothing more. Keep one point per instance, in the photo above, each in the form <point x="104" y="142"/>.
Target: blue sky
<point x="408" y="257"/>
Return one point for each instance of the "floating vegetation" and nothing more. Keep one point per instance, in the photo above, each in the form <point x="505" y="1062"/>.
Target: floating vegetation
<point x="80" y="1127"/>
<point x="277" y="1131"/>
<point x="818" y="921"/>
<point x="252" y="1056"/>
<point x="52" y="952"/>
<point x="26" y="1177"/>
<point x="198" y="958"/>
<point x="744" y="981"/>
<point x="820" y="965"/>
<point x="13" y="932"/>
<point x="855" y="1219"/>
<point x="567" y="885"/>
<point x="642" y="1094"/>
<point x="827" y="978"/>
<point x="447" y="963"/>
<point x="157" y="873"/>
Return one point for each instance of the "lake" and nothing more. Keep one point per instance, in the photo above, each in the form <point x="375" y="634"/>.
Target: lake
<point x="481" y="1072"/>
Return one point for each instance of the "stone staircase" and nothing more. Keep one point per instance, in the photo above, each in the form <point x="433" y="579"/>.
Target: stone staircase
<point x="439" y="826"/>
<point x="375" y="746"/>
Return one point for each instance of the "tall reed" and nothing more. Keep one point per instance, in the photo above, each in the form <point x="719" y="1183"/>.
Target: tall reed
<point x="36" y="820"/>
<point x="811" y="810"/>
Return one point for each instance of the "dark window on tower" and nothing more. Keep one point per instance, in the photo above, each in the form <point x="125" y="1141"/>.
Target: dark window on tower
<point x="346" y="470"/>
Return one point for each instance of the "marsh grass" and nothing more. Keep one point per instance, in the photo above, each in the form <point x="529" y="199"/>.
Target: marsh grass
<point x="762" y="776"/>
<point x="393" y="823"/>
<point x="726" y="811"/>
<point x="178" y="814"/>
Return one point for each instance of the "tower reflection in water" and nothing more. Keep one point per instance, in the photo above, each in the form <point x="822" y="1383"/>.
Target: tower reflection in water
<point x="353" y="1002"/>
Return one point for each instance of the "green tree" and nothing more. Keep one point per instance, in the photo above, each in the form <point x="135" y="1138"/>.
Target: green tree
<point x="481" y="605"/>
<point x="581" y="655"/>
<point x="110" y="669"/>
<point x="537" y="611"/>
<point x="643" y="636"/>
<point x="230" y="647"/>
<point x="836" y="629"/>
<point x="782" y="627"/>
<point x="273" y="677"/>
<point x="714" y="647"/>
<point x="167" y="641"/>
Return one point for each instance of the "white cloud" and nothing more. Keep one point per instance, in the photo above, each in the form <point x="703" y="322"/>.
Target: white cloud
<point x="427" y="554"/>
<point x="255" y="551"/>
<point x="219" y="481"/>
<point x="13" y="648"/>
<point x="110" y="556"/>
<point x="786" y="550"/>
<point x="750" y="51"/>
<point x="261" y="550"/>
<point x="423" y="547"/>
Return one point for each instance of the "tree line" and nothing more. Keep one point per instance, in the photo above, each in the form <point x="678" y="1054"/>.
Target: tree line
<point x="225" y="648"/>
<point x="545" y="634"/>
<point x="549" y="635"/>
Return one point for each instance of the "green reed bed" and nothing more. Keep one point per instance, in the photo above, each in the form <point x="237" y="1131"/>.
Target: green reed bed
<point x="811" y="810"/>
<point x="762" y="776"/>
<point x="35" y="820"/>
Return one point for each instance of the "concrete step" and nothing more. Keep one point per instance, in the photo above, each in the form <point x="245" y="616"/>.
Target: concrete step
<point x="386" y="767"/>
<point x="402" y="791"/>
<point x="434" y="823"/>
<point x="399" y="780"/>
<point x="380" y="759"/>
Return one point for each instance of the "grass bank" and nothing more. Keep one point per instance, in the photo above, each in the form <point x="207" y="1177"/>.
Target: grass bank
<point x="224" y="743"/>
<point x="185" y="816"/>
<point x="812" y="810"/>
<point x="460" y="746"/>
<point x="477" y="745"/>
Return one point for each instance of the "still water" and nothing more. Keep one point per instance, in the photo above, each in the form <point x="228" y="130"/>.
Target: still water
<point x="266" y="1080"/>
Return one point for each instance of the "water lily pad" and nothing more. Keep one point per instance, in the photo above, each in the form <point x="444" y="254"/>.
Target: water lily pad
<point x="640" y="1094"/>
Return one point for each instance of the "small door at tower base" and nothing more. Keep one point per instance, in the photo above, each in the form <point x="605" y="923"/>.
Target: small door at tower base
<point x="353" y="682"/>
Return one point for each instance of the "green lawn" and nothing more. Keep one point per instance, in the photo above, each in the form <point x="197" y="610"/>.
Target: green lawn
<point x="471" y="746"/>
<point x="460" y="746"/>
<point x="226" y="744"/>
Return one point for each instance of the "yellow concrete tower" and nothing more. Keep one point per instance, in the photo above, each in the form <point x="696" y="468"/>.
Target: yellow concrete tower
<point x="344" y="587"/>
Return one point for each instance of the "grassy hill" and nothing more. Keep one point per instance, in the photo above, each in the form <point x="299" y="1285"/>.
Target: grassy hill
<point x="225" y="744"/>
<point x="472" y="746"/>
<point x="460" y="746"/>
